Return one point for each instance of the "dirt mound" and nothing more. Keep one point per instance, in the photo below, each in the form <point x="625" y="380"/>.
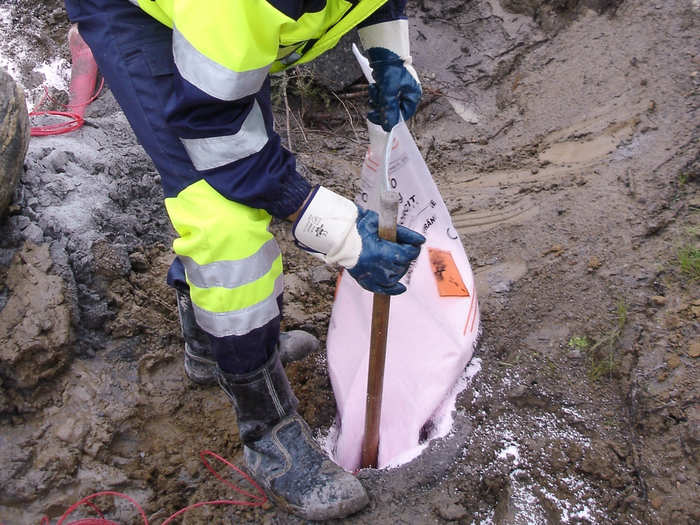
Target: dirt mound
<point x="14" y="137"/>
<point x="35" y="321"/>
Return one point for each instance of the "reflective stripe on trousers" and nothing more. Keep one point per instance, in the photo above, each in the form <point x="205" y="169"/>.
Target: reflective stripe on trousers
<point x="232" y="263"/>
<point x="133" y="52"/>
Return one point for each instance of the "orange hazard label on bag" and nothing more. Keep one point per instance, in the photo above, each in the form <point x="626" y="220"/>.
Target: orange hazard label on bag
<point x="447" y="276"/>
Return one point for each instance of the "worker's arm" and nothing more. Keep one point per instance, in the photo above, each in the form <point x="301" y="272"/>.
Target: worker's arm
<point x="333" y="228"/>
<point x="218" y="108"/>
<point x="215" y="109"/>
<point x="397" y="90"/>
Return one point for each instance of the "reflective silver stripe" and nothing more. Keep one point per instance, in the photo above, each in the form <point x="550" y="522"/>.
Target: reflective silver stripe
<point x="240" y="322"/>
<point x="211" y="77"/>
<point x="231" y="274"/>
<point x="273" y="393"/>
<point x="213" y="152"/>
<point x="135" y="2"/>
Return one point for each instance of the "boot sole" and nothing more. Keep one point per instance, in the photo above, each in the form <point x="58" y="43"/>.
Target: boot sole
<point x="336" y="511"/>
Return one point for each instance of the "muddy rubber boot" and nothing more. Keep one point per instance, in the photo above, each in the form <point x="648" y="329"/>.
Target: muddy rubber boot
<point x="280" y="452"/>
<point x="200" y="362"/>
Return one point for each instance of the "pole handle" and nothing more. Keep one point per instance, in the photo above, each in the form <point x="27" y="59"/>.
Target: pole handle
<point x="388" y="211"/>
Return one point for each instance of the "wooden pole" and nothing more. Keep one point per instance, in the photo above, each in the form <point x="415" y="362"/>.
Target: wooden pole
<point x="388" y="211"/>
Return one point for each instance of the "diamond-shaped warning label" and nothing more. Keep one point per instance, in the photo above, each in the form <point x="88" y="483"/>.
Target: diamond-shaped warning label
<point x="447" y="276"/>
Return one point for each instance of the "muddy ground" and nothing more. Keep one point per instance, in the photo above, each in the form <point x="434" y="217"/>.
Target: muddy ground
<point x="563" y="136"/>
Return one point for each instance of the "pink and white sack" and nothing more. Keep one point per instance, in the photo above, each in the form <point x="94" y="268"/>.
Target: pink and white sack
<point x="433" y="326"/>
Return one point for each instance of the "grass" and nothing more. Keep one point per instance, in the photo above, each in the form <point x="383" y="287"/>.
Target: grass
<point x="689" y="260"/>
<point x="603" y="354"/>
<point x="299" y="83"/>
<point x="579" y="342"/>
<point x="299" y="94"/>
<point x="687" y="177"/>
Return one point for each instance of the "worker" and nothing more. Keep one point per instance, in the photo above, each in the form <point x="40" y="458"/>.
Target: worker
<point x="192" y="78"/>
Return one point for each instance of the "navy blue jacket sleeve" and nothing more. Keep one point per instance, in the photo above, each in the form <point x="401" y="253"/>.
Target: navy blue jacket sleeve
<point x="391" y="10"/>
<point x="266" y="179"/>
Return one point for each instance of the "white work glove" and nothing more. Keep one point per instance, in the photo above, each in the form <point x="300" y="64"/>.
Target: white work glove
<point x="335" y="230"/>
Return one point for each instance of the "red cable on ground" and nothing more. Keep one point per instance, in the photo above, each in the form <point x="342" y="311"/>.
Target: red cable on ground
<point x="83" y="77"/>
<point x="76" y="118"/>
<point x="255" y="500"/>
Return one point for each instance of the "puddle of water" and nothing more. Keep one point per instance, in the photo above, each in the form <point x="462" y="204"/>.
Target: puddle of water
<point x="589" y="150"/>
<point x="567" y="152"/>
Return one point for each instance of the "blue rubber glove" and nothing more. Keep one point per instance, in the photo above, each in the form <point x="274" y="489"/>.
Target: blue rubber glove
<point x="382" y="263"/>
<point x="395" y="91"/>
<point x="337" y="231"/>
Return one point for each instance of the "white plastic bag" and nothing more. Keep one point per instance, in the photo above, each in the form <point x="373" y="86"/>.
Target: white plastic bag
<point x="433" y="326"/>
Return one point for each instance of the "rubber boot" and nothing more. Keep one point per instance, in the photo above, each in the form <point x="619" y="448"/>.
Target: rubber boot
<point x="200" y="362"/>
<point x="280" y="452"/>
<point x="200" y="365"/>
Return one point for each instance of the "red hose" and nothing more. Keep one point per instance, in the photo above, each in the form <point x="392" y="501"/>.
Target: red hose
<point x="82" y="84"/>
<point x="255" y="500"/>
<point x="76" y="118"/>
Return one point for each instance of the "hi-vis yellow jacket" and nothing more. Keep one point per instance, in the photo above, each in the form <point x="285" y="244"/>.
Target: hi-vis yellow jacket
<point x="253" y="35"/>
<point x="223" y="51"/>
<point x="240" y="174"/>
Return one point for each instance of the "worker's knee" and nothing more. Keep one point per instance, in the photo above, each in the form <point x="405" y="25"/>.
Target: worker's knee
<point x="232" y="263"/>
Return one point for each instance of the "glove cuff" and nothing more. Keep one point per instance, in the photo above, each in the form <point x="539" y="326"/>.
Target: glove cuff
<point x="326" y="228"/>
<point x="392" y="35"/>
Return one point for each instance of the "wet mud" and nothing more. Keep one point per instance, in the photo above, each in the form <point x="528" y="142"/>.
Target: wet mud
<point x="563" y="137"/>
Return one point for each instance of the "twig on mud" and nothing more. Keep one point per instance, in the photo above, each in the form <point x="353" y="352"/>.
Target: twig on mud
<point x="301" y="126"/>
<point x="347" y="111"/>
<point x="459" y="24"/>
<point x="512" y="48"/>
<point x="354" y="91"/>
<point x="666" y="217"/>
<point x="502" y="129"/>
<point x="159" y="302"/>
<point x="482" y="19"/>
<point x="632" y="410"/>
<point x="606" y="364"/>
<point x="285" y="81"/>
<point x="440" y="93"/>
<point x="474" y="80"/>
<point x="679" y="150"/>
<point x="352" y="94"/>
<point x="527" y="47"/>
<point x="334" y="134"/>
<point x="485" y="140"/>
<point x="153" y="299"/>
<point x="675" y="404"/>
<point x="357" y="86"/>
